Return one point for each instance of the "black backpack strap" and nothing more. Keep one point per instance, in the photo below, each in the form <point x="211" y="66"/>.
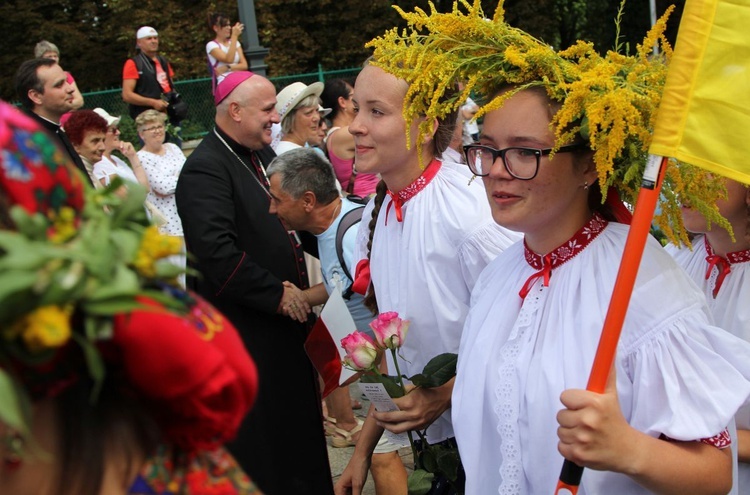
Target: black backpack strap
<point x="351" y="218"/>
<point x="138" y="63"/>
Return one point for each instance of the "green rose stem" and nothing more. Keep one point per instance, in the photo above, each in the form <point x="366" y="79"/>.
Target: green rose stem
<point x="417" y="462"/>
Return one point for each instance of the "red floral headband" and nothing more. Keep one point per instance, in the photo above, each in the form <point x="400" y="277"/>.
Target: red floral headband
<point x="177" y="352"/>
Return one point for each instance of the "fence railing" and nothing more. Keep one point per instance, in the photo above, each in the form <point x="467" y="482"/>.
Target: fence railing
<point x="197" y="94"/>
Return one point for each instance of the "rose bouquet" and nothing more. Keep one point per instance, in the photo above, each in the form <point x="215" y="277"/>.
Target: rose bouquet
<point x="364" y="355"/>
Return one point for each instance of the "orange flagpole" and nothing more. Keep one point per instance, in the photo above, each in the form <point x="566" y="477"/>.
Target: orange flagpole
<point x="570" y="476"/>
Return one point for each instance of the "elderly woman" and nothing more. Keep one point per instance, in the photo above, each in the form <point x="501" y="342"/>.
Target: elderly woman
<point x="110" y="166"/>
<point x="162" y="163"/>
<point x="297" y="105"/>
<point x="86" y="131"/>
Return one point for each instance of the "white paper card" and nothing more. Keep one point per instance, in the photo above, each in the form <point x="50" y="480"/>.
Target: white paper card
<point x="378" y="396"/>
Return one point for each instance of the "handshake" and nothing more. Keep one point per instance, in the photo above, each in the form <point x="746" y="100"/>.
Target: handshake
<point x="294" y="303"/>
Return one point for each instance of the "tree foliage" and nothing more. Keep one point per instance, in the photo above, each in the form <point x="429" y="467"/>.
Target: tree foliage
<point x="302" y="34"/>
<point x="95" y="37"/>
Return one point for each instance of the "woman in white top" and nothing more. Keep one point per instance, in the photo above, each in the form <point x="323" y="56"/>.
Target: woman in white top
<point x="532" y="333"/>
<point x="224" y="52"/>
<point x="163" y="163"/>
<point x="427" y="235"/>
<point x="297" y="105"/>
<point x="721" y="268"/>
<point x="110" y="166"/>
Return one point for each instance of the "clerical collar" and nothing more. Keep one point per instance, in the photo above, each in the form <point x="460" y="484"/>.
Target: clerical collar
<point x="231" y="143"/>
<point x="399" y="198"/>
<point x="564" y="252"/>
<point x="56" y="124"/>
<point x="723" y="264"/>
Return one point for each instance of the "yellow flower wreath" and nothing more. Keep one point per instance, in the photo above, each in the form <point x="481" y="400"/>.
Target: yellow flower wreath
<point x="609" y="100"/>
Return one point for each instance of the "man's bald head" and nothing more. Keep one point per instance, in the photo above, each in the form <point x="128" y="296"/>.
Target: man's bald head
<point x="247" y="113"/>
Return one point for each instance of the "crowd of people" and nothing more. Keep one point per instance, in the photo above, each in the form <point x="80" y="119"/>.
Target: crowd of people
<point x="155" y="307"/>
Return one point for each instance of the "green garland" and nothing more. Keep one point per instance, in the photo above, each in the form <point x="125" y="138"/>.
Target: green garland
<point x="53" y="270"/>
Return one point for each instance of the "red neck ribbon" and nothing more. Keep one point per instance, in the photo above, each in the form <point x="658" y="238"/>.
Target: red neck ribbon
<point x="560" y="254"/>
<point x="399" y="198"/>
<point x="723" y="265"/>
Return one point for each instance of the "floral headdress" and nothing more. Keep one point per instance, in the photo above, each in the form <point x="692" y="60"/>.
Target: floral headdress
<point x="610" y="100"/>
<point x="85" y="289"/>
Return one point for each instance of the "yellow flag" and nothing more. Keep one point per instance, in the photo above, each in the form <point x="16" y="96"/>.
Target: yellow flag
<point x="704" y="115"/>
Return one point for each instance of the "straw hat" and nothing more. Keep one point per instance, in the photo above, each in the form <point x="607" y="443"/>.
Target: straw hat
<point x="290" y="96"/>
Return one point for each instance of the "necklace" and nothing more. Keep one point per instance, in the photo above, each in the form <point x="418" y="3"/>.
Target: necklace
<point x="253" y="174"/>
<point x="335" y="212"/>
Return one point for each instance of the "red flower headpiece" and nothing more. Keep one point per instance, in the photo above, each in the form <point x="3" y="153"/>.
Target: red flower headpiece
<point x="193" y="368"/>
<point x="73" y="295"/>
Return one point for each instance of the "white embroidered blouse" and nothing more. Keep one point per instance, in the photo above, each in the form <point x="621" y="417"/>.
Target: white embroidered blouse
<point x="677" y="375"/>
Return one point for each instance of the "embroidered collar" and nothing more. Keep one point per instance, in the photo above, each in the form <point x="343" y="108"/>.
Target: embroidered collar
<point x="399" y="198"/>
<point x="545" y="264"/>
<point x="722" y="264"/>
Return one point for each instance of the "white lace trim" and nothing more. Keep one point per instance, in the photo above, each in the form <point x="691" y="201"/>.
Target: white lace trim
<point x="507" y="396"/>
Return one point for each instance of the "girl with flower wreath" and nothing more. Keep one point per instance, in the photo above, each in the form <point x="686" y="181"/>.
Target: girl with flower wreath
<point x="90" y="402"/>
<point x="562" y="131"/>
<point x="719" y="262"/>
<point x="426" y="236"/>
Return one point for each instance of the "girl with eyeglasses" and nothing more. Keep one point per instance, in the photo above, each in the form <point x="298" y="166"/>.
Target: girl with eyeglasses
<point x="519" y="408"/>
<point x="534" y="327"/>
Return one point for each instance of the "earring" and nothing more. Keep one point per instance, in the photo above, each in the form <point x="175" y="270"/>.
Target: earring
<point x="471" y="180"/>
<point x="13" y="446"/>
<point x="585" y="186"/>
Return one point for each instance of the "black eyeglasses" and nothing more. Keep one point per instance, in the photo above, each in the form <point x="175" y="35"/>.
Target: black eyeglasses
<point x="521" y="163"/>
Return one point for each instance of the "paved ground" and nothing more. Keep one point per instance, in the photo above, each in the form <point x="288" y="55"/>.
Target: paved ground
<point x="339" y="457"/>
